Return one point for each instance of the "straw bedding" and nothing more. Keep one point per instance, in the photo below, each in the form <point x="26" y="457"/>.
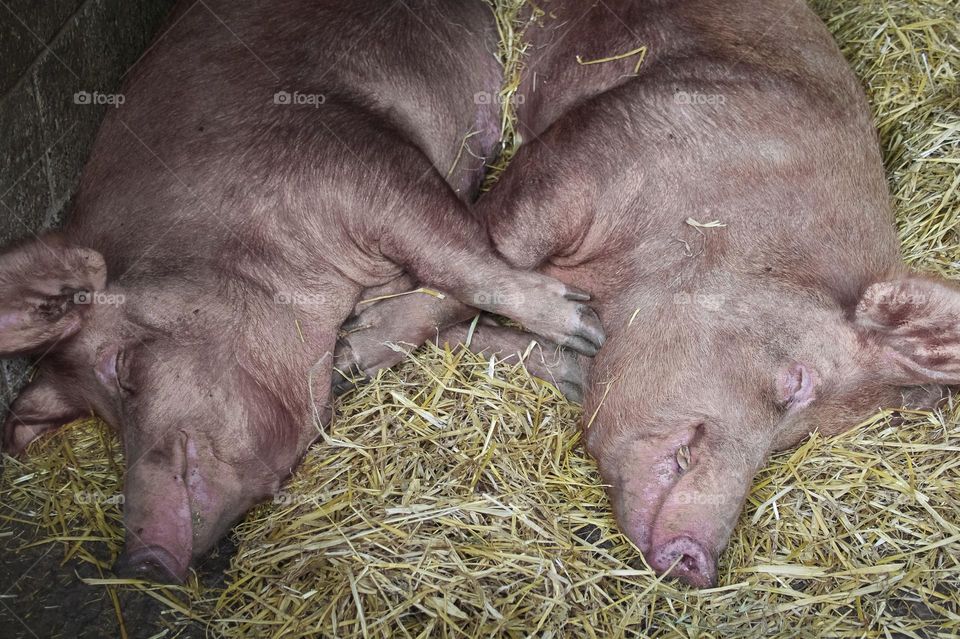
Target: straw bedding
<point x="451" y="498"/>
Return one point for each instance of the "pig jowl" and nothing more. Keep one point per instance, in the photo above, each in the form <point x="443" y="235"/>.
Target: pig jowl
<point x="725" y="205"/>
<point x="254" y="182"/>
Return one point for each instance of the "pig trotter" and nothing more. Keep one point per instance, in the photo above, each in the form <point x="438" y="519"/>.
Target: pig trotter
<point x="347" y="370"/>
<point x="582" y="331"/>
<point x="372" y="336"/>
<point x="576" y="294"/>
<point x="571" y="389"/>
<point x="551" y="309"/>
<point x="588" y="336"/>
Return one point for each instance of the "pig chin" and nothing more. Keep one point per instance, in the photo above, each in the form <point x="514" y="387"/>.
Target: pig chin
<point x="676" y="508"/>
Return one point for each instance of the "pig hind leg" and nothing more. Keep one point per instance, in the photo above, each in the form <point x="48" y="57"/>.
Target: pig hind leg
<point x="545" y="359"/>
<point x="383" y="334"/>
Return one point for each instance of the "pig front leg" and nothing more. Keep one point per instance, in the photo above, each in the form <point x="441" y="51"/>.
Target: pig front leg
<point x="543" y="305"/>
<point x="531" y="220"/>
<point x="539" y="209"/>
<point x="434" y="238"/>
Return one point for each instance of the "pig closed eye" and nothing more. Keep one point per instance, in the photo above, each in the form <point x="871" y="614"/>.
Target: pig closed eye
<point x="797" y="386"/>
<point x="122" y="373"/>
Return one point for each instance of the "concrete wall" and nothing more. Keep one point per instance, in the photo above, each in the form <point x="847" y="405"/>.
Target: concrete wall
<point x="57" y="58"/>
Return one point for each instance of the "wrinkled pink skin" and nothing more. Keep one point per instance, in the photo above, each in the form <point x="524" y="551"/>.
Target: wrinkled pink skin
<point x="225" y="234"/>
<point x="726" y="343"/>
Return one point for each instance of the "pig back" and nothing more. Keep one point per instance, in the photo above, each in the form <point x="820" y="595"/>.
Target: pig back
<point x="743" y="146"/>
<point x="232" y="99"/>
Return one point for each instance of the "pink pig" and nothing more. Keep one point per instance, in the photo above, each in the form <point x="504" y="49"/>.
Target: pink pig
<point x="270" y="163"/>
<point x="724" y="202"/>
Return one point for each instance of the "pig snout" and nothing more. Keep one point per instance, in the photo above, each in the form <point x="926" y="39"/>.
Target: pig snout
<point x="686" y="559"/>
<point x="677" y="496"/>
<point x="157" y="513"/>
<point x="177" y="503"/>
<point x="151" y="563"/>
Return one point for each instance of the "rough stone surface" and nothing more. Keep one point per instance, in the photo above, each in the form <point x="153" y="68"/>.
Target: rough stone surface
<point x="49" y="52"/>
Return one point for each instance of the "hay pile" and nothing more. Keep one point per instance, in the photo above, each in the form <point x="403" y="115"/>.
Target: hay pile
<point x="451" y="497"/>
<point x="512" y="18"/>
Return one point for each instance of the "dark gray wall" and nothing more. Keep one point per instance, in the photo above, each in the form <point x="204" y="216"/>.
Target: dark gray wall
<point x="57" y="58"/>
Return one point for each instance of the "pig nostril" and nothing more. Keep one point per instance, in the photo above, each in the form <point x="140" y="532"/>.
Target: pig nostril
<point x="689" y="563"/>
<point x="687" y="560"/>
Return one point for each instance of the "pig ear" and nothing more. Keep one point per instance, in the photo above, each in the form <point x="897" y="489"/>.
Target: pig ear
<point x="917" y="322"/>
<point x="42" y="287"/>
<point x="40" y="407"/>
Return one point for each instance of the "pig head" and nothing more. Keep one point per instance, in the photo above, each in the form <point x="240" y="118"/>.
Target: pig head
<point x="224" y="229"/>
<point x="680" y="424"/>
<point x="726" y="206"/>
<point x="208" y="427"/>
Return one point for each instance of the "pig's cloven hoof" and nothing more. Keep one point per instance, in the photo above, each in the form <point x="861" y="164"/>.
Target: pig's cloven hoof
<point x="586" y="334"/>
<point x="552" y="310"/>
<point x="571" y="390"/>
<point x="696" y="566"/>
<point x="151" y="563"/>
<point x="347" y="371"/>
<point x="559" y="367"/>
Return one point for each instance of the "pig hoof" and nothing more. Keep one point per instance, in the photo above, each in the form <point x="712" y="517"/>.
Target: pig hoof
<point x="347" y="372"/>
<point x="587" y="335"/>
<point x="571" y="390"/>
<point x="569" y="378"/>
<point x="695" y="565"/>
<point x="151" y="563"/>
<point x="347" y="380"/>
<point x="576" y="294"/>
